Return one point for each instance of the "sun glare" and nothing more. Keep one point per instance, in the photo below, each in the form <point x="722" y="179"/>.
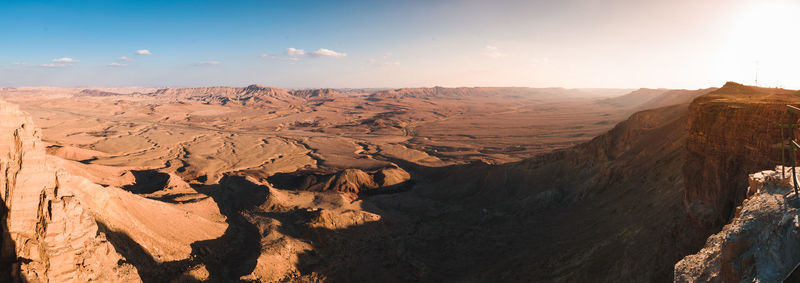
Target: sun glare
<point x="764" y="37"/>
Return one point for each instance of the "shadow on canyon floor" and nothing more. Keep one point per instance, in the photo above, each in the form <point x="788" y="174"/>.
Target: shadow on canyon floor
<point x="147" y="181"/>
<point x="475" y="222"/>
<point x="226" y="258"/>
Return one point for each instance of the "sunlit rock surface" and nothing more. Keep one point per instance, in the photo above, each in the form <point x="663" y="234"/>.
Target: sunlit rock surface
<point x="760" y="244"/>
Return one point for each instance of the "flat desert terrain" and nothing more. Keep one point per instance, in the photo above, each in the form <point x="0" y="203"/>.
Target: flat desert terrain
<point x="322" y="128"/>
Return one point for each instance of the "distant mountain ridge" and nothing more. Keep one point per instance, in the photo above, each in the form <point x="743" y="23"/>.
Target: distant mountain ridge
<point x="494" y="91"/>
<point x="253" y="94"/>
<point x="646" y="98"/>
<point x="258" y="95"/>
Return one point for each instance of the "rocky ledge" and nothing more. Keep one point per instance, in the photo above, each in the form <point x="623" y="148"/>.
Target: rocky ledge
<point x="760" y="244"/>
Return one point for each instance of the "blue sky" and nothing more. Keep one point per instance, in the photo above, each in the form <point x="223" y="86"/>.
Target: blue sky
<point x="570" y="43"/>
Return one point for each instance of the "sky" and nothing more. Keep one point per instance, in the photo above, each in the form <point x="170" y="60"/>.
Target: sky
<point x="313" y="44"/>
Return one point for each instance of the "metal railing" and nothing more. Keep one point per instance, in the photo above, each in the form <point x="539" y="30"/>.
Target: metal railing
<point x="792" y="114"/>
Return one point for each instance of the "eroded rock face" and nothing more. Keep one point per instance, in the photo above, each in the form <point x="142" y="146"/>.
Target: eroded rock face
<point x="47" y="234"/>
<point x="731" y="132"/>
<point x="762" y="242"/>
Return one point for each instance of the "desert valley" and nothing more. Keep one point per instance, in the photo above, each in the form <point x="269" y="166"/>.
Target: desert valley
<point x="399" y="141"/>
<point x="431" y="184"/>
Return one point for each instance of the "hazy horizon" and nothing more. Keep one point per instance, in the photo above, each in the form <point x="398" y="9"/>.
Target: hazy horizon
<point x="392" y="44"/>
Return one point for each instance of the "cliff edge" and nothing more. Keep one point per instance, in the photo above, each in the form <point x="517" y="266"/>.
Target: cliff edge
<point x="47" y="235"/>
<point x="760" y="244"/>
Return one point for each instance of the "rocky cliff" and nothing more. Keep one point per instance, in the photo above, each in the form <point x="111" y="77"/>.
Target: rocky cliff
<point x="731" y="133"/>
<point x="594" y="212"/>
<point x="47" y="234"/>
<point x="659" y="182"/>
<point x="761" y="243"/>
<point x="58" y="227"/>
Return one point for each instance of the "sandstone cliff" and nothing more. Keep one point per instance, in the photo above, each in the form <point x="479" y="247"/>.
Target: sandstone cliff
<point x="761" y="242"/>
<point x="47" y="234"/>
<point x="57" y="227"/>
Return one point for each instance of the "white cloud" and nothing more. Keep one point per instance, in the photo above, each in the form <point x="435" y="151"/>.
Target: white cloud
<point x="280" y="58"/>
<point x="143" y="52"/>
<point x="64" y="60"/>
<point x="115" y="64"/>
<point x="59" y="63"/>
<point x="54" y="65"/>
<point x="124" y="58"/>
<point x="322" y="52"/>
<point x="207" y="63"/>
<point x="292" y="52"/>
<point x="493" y="52"/>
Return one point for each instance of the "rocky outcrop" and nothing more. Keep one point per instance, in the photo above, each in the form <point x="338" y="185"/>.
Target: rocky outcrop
<point x="349" y="181"/>
<point x="731" y="132"/>
<point x="762" y="242"/>
<point x="55" y="224"/>
<point x="324" y="93"/>
<point x="47" y="234"/>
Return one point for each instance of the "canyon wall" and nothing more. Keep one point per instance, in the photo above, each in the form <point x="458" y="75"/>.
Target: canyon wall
<point x="732" y="132"/>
